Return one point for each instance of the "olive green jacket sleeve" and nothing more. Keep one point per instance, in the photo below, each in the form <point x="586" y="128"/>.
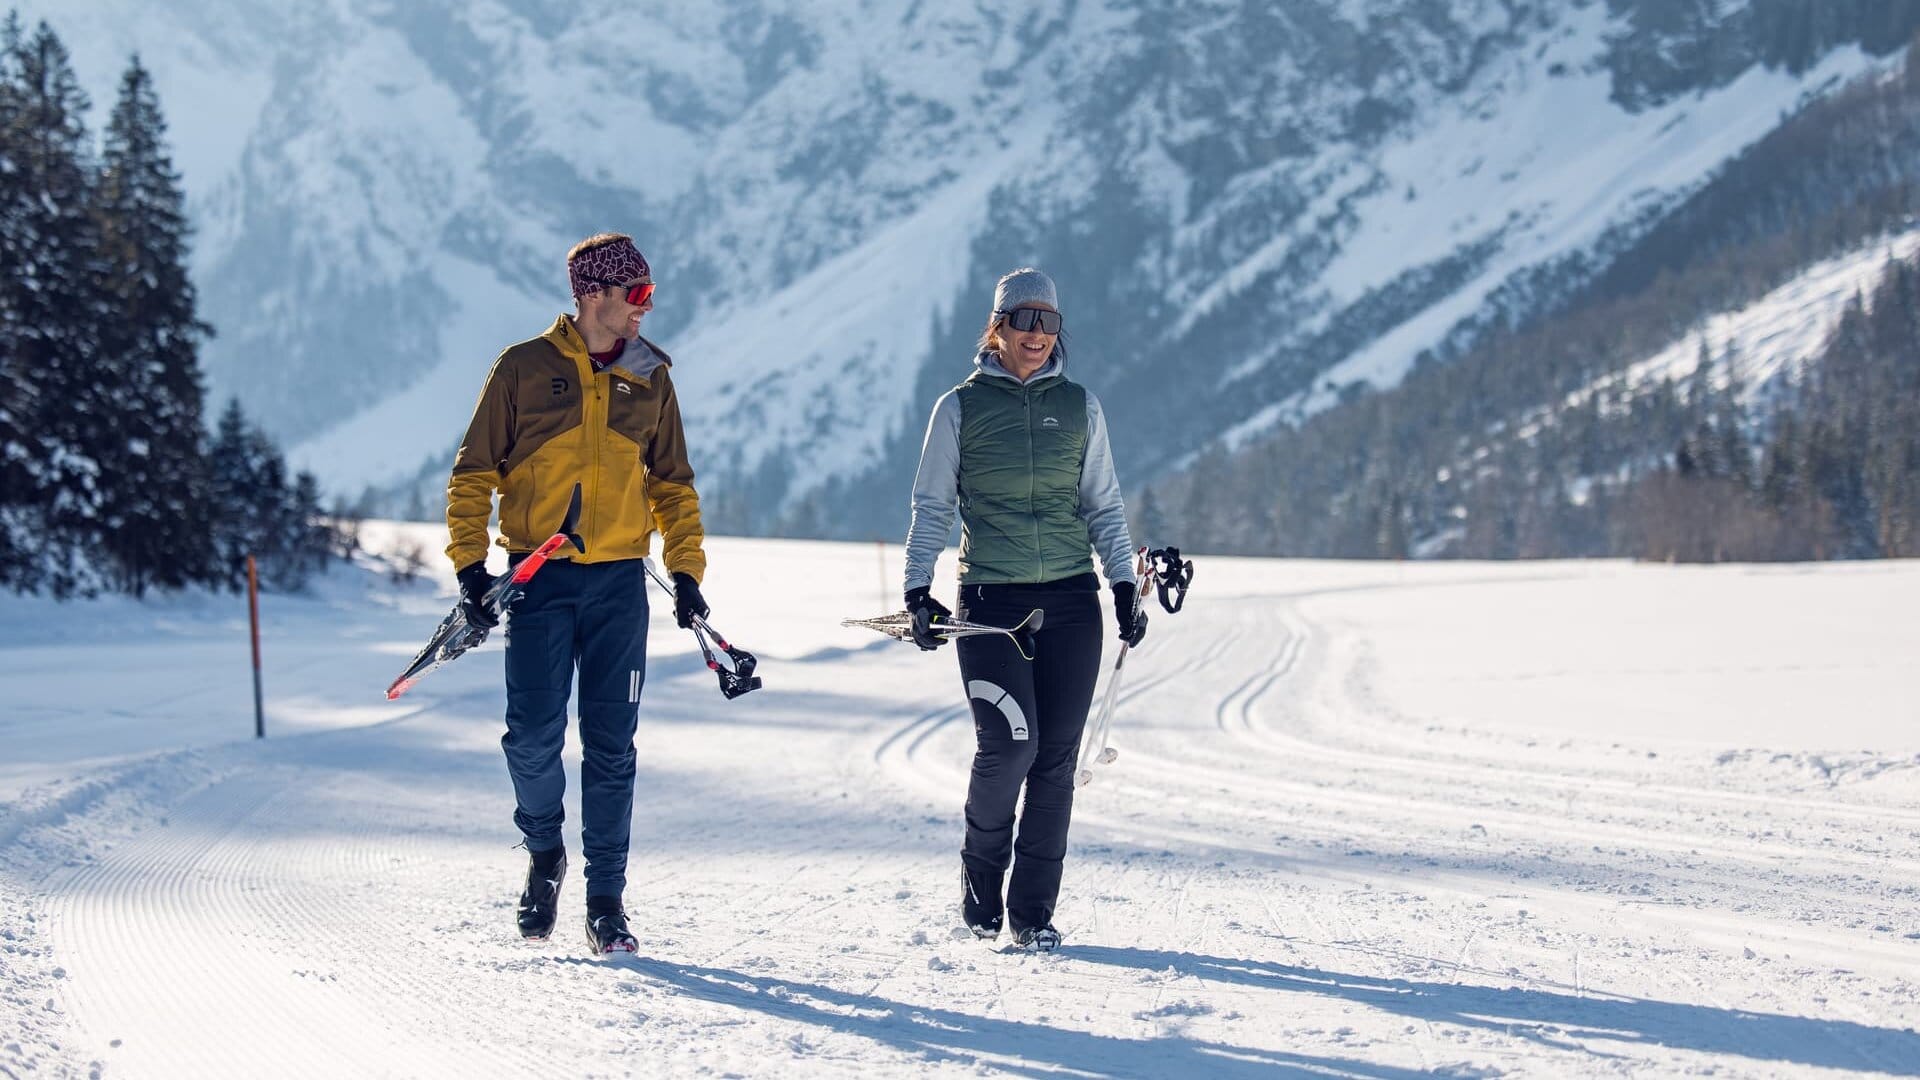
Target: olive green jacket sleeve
<point x="477" y="469"/>
<point x="675" y="504"/>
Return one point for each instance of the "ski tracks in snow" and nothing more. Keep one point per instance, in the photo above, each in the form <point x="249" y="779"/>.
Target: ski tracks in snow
<point x="1585" y="904"/>
<point x="1290" y="870"/>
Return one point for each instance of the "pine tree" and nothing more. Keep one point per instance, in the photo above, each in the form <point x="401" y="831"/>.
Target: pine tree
<point x="258" y="512"/>
<point x="155" y="488"/>
<point x="1149" y="524"/>
<point x="105" y="477"/>
<point x="243" y="504"/>
<point x="51" y="311"/>
<point x="1393" y="542"/>
<point x="308" y="541"/>
<point x="19" y="394"/>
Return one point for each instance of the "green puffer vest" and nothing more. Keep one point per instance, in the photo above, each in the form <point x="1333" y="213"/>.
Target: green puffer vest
<point x="1021" y="448"/>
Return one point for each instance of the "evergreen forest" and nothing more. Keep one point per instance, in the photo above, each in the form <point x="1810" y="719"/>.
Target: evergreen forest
<point x="110" y="478"/>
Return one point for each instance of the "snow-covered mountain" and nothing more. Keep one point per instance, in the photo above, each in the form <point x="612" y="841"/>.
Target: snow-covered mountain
<point x="1763" y="346"/>
<point x="1757" y="351"/>
<point x="1247" y="206"/>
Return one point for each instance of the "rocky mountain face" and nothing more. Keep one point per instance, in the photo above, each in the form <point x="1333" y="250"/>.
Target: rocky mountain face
<point x="1738" y="384"/>
<point x="1248" y="207"/>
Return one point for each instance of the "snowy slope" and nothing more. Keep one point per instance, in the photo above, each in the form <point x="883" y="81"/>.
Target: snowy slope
<point x="1375" y="820"/>
<point x="1545" y="186"/>
<point x="1281" y="196"/>
<point x="1775" y="337"/>
<point x="1761" y="346"/>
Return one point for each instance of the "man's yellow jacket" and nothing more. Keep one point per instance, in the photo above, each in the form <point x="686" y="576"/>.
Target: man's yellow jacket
<point x="546" y="420"/>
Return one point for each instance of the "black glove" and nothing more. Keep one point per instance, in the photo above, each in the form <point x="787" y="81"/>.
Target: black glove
<point x="1132" y="620"/>
<point x="474" y="583"/>
<point x="687" y="601"/>
<point x="923" y="607"/>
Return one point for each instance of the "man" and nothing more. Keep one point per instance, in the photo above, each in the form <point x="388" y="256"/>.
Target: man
<point x="589" y="401"/>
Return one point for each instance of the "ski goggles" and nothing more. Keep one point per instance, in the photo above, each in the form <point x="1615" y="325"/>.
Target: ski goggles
<point x="1025" y="319"/>
<point x="637" y="295"/>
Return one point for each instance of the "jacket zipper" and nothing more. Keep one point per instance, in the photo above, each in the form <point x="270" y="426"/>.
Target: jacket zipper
<point x="1033" y="485"/>
<point x="596" y="423"/>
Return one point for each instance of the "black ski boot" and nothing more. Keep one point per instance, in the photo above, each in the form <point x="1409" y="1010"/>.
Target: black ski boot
<point x="607" y="926"/>
<point x="1037" y="938"/>
<point x="540" y="900"/>
<point x="981" y="907"/>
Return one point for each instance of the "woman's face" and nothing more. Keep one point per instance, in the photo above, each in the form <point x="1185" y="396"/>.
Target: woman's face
<point x="1023" y="352"/>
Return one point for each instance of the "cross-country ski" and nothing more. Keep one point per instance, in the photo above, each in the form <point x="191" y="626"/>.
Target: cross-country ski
<point x="455" y="634"/>
<point x="899" y="627"/>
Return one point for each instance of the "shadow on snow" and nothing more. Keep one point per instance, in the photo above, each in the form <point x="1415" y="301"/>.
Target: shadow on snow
<point x="1559" y="1019"/>
<point x="1027" y="1049"/>
<point x="1548" y="1018"/>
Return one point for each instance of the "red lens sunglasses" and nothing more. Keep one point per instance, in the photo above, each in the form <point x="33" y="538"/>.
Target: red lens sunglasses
<point x="636" y="295"/>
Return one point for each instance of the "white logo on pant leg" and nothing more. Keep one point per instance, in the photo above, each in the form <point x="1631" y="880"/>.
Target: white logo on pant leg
<point x="1000" y="699"/>
<point x="633" y="686"/>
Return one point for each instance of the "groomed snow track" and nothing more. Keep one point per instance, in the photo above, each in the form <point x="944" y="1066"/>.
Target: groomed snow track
<point x="1299" y="865"/>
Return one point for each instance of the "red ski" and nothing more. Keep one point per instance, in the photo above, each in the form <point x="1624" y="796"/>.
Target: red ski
<point x="456" y="635"/>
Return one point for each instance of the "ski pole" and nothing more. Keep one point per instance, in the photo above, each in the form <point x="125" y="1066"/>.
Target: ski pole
<point x="1168" y="575"/>
<point x="1103" y="722"/>
<point x="740" y="679"/>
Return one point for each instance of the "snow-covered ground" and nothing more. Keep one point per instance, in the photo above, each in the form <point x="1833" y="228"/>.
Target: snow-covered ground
<point x="1369" y="819"/>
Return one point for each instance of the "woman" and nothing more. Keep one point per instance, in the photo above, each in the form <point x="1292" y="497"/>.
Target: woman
<point x="1021" y="451"/>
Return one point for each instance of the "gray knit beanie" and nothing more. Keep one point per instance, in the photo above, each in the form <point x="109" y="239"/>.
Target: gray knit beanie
<point x="1024" y="286"/>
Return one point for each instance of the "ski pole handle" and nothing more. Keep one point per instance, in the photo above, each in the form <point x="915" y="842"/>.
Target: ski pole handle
<point x="1171" y="581"/>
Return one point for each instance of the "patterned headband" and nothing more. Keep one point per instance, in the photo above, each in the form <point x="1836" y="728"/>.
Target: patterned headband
<point x="616" y="263"/>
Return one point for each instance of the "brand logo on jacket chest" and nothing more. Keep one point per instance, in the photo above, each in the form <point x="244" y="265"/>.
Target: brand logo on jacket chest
<point x="1049" y="421"/>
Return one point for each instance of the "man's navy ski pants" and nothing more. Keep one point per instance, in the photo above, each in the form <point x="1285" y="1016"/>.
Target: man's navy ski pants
<point x="593" y="616"/>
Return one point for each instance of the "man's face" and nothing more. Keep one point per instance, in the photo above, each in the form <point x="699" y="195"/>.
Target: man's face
<point x="610" y="311"/>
